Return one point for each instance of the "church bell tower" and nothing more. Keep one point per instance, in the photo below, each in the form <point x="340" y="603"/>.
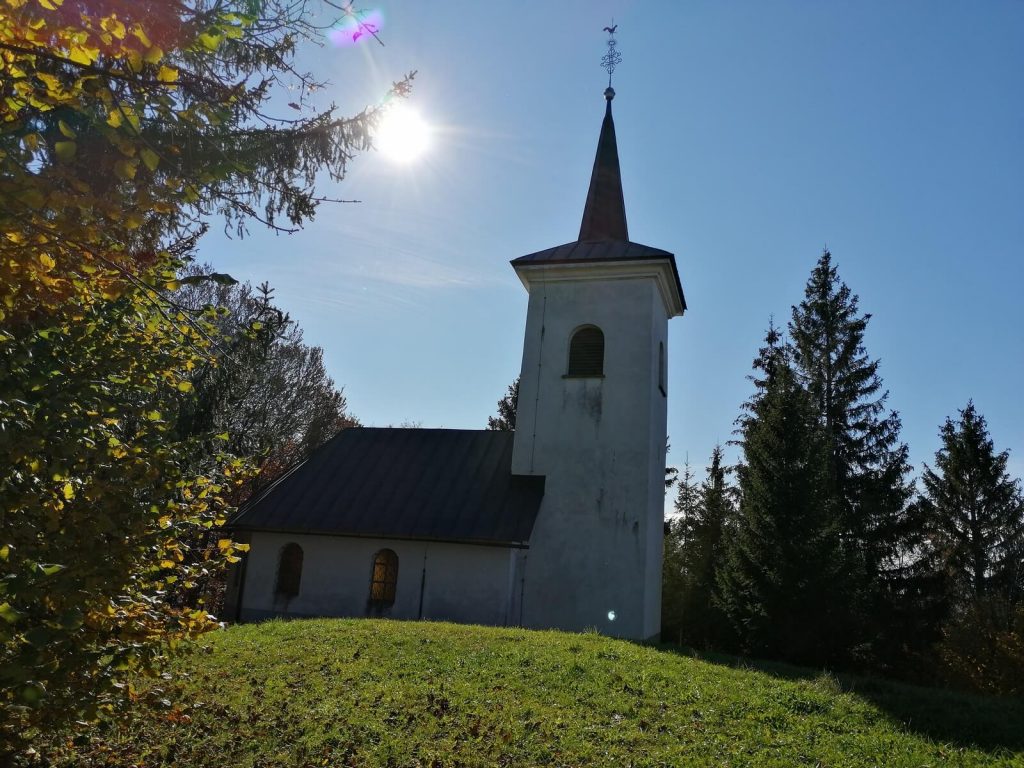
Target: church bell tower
<point x="592" y="416"/>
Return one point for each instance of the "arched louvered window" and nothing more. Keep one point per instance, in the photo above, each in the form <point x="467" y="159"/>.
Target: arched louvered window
<point x="289" y="570"/>
<point x="385" y="578"/>
<point x="586" y="352"/>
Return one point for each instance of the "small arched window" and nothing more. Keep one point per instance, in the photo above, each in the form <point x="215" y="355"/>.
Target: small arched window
<point x="385" y="578"/>
<point x="586" y="352"/>
<point x="289" y="570"/>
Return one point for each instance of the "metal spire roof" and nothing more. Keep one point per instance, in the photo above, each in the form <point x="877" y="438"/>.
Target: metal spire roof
<point x="604" y="215"/>
<point x="604" y="237"/>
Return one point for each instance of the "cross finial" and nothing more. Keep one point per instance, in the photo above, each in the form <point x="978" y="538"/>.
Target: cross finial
<point x="611" y="59"/>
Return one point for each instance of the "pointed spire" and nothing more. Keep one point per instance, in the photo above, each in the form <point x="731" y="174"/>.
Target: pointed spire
<point x="604" y="216"/>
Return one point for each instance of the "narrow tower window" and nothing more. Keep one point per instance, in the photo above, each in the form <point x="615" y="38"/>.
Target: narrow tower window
<point x="385" y="578"/>
<point x="289" y="571"/>
<point x="586" y="352"/>
<point x="662" y="385"/>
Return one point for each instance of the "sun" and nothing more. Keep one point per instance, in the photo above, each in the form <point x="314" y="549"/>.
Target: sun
<point x="402" y="136"/>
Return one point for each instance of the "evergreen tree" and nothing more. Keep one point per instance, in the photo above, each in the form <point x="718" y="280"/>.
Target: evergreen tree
<point x="866" y="488"/>
<point x="702" y="524"/>
<point x="673" y="567"/>
<point x="974" y="540"/>
<point x="781" y="582"/>
<point x="973" y="512"/>
<point x="506" y="418"/>
<point x="671" y="473"/>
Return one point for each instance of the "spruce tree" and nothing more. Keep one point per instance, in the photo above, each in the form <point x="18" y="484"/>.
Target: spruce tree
<point x="702" y="527"/>
<point x="865" y="489"/>
<point x="673" y="568"/>
<point x="973" y="512"/>
<point x="781" y="580"/>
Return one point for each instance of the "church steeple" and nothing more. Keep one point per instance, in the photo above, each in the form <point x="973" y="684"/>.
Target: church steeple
<point x="593" y="404"/>
<point x="604" y="215"/>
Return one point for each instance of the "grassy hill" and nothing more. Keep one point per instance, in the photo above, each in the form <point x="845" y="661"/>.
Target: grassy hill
<point x="378" y="693"/>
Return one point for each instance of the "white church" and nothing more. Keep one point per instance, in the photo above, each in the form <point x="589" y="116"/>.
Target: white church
<point x="556" y="525"/>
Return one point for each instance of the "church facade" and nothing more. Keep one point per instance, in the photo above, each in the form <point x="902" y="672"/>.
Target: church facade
<point x="556" y="525"/>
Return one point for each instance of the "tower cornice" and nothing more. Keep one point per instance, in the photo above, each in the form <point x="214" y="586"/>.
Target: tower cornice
<point x="662" y="270"/>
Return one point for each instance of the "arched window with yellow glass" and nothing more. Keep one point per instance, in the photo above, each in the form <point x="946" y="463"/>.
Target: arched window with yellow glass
<point x="384" y="581"/>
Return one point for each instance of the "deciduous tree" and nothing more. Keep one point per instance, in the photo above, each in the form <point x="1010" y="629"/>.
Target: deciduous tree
<point x="507" y="406"/>
<point x="264" y="396"/>
<point x="123" y="124"/>
<point x="268" y="391"/>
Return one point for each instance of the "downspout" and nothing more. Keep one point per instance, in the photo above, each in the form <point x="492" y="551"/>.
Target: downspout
<point x="423" y="581"/>
<point x="522" y="590"/>
<point x="241" y="587"/>
<point x="540" y="363"/>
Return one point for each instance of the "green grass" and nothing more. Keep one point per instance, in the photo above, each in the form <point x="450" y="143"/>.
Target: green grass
<point x="379" y="693"/>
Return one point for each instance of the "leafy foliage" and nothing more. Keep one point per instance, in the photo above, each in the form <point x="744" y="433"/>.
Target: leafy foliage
<point x="97" y="499"/>
<point x="507" y="406"/>
<point x="982" y="649"/>
<point x="123" y="123"/>
<point x="265" y="397"/>
<point x="267" y="390"/>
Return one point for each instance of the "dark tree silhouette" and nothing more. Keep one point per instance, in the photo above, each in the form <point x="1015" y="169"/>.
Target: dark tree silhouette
<point x="781" y="582"/>
<point x="673" y="565"/>
<point x="973" y="511"/>
<point x="698" y="535"/>
<point x="866" y="489"/>
<point x="506" y="418"/>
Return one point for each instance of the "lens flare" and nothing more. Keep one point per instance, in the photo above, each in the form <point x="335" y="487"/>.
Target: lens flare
<point x="356" y="27"/>
<point x="402" y="135"/>
<point x="611" y="615"/>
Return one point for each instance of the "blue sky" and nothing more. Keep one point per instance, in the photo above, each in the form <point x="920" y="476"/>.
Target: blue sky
<point x="751" y="135"/>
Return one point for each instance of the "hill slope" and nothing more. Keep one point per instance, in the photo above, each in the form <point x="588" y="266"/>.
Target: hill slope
<point x="334" y="692"/>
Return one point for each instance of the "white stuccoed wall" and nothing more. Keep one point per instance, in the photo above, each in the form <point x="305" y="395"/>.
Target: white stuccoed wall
<point x="597" y="543"/>
<point x="464" y="583"/>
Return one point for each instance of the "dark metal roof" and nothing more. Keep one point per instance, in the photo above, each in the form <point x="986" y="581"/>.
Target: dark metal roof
<point x="581" y="252"/>
<point x="604" y="215"/>
<point x="595" y="250"/>
<point x="436" y="484"/>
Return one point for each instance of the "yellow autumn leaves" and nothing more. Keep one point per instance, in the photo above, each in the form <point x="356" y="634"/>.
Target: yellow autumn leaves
<point x="50" y="192"/>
